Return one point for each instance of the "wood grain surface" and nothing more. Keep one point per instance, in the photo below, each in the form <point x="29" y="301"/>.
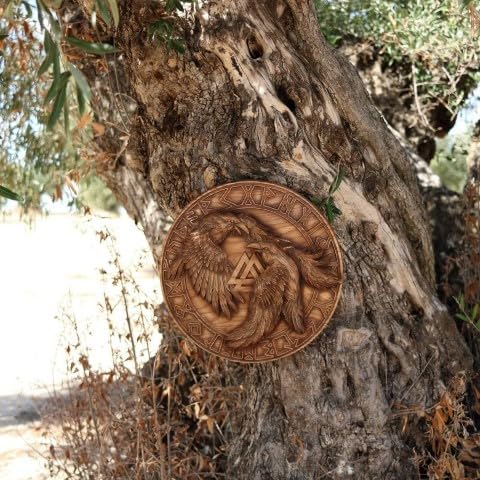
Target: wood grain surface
<point x="251" y="271"/>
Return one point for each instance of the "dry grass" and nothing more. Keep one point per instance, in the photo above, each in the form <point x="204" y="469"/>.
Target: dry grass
<point x="168" y="418"/>
<point x="447" y="431"/>
<point x="452" y="440"/>
<point x="452" y="425"/>
<point x="461" y="279"/>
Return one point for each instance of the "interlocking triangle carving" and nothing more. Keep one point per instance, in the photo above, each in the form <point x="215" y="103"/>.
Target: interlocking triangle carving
<point x="245" y="273"/>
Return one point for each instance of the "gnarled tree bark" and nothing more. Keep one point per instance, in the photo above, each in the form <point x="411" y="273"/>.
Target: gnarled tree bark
<point x="260" y="94"/>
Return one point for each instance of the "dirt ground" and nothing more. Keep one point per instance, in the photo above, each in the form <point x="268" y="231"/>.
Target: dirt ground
<point x="20" y="437"/>
<point x="47" y="268"/>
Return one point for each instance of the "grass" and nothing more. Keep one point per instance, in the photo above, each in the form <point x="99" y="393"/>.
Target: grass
<point x="169" y="417"/>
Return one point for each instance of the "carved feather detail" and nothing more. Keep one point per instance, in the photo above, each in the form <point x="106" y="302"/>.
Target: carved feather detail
<point x="207" y="264"/>
<point x="264" y="309"/>
<point x="318" y="269"/>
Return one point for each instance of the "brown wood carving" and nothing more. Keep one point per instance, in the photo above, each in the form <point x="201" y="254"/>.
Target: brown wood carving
<point x="251" y="271"/>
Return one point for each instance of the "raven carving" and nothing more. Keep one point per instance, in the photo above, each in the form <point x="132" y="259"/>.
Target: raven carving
<point x="207" y="264"/>
<point x="276" y="295"/>
<point x="317" y="268"/>
<point x="277" y="292"/>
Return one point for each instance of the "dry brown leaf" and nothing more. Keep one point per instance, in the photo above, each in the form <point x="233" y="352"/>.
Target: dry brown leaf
<point x="474" y="18"/>
<point x="57" y="194"/>
<point x="98" y="128"/>
<point x="438" y="421"/>
<point x="455" y="469"/>
<point x="83" y="121"/>
<point x="185" y="348"/>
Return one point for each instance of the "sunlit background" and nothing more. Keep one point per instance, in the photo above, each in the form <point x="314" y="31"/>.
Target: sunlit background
<point x="55" y="271"/>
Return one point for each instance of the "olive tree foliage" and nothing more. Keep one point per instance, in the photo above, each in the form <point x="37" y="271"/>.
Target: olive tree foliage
<point x="29" y="158"/>
<point x="434" y="42"/>
<point x="47" y="122"/>
<point x="419" y="60"/>
<point x="41" y="142"/>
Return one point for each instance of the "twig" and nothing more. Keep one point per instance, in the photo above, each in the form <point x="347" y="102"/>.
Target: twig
<point x="160" y="445"/>
<point x="417" y="100"/>
<point x="169" y="413"/>
<point x="418" y="378"/>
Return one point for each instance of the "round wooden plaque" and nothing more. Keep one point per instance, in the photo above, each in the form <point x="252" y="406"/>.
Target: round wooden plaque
<point x="251" y="271"/>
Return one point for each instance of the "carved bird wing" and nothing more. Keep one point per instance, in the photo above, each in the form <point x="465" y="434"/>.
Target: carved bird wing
<point x="293" y="306"/>
<point x="319" y="269"/>
<point x="264" y="309"/>
<point x="209" y="270"/>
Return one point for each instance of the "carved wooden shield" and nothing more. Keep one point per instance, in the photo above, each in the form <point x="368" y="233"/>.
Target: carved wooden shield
<point x="251" y="271"/>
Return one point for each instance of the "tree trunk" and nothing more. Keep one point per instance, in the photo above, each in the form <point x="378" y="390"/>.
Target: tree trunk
<point x="260" y="94"/>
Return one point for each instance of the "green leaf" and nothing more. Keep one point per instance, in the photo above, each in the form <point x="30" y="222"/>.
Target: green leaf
<point x="57" y="107"/>
<point x="336" y="181"/>
<point x="81" y="81"/>
<point x="56" y="65"/>
<point x="329" y="211"/>
<point x="52" y="52"/>
<point x="161" y="28"/>
<point x="104" y="13"/>
<point x="66" y="118"/>
<point x="171" y="5"/>
<point x="176" y="44"/>
<point x="94" y="48"/>
<point x="336" y="210"/>
<point x="461" y="316"/>
<point x="115" y="13"/>
<point x="474" y="313"/>
<point x="81" y="101"/>
<point x="7" y="193"/>
<point x="57" y="84"/>
<point x="28" y="9"/>
<point x="320" y="204"/>
<point x="460" y="301"/>
<point x="48" y="43"/>
<point x="54" y="25"/>
<point x="45" y="64"/>
<point x="477" y="325"/>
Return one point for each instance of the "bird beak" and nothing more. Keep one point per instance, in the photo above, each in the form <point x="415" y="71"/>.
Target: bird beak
<point x="241" y="228"/>
<point x="254" y="246"/>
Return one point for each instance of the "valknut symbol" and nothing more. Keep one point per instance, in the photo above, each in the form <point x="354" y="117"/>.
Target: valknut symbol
<point x="255" y="268"/>
<point x="245" y="273"/>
